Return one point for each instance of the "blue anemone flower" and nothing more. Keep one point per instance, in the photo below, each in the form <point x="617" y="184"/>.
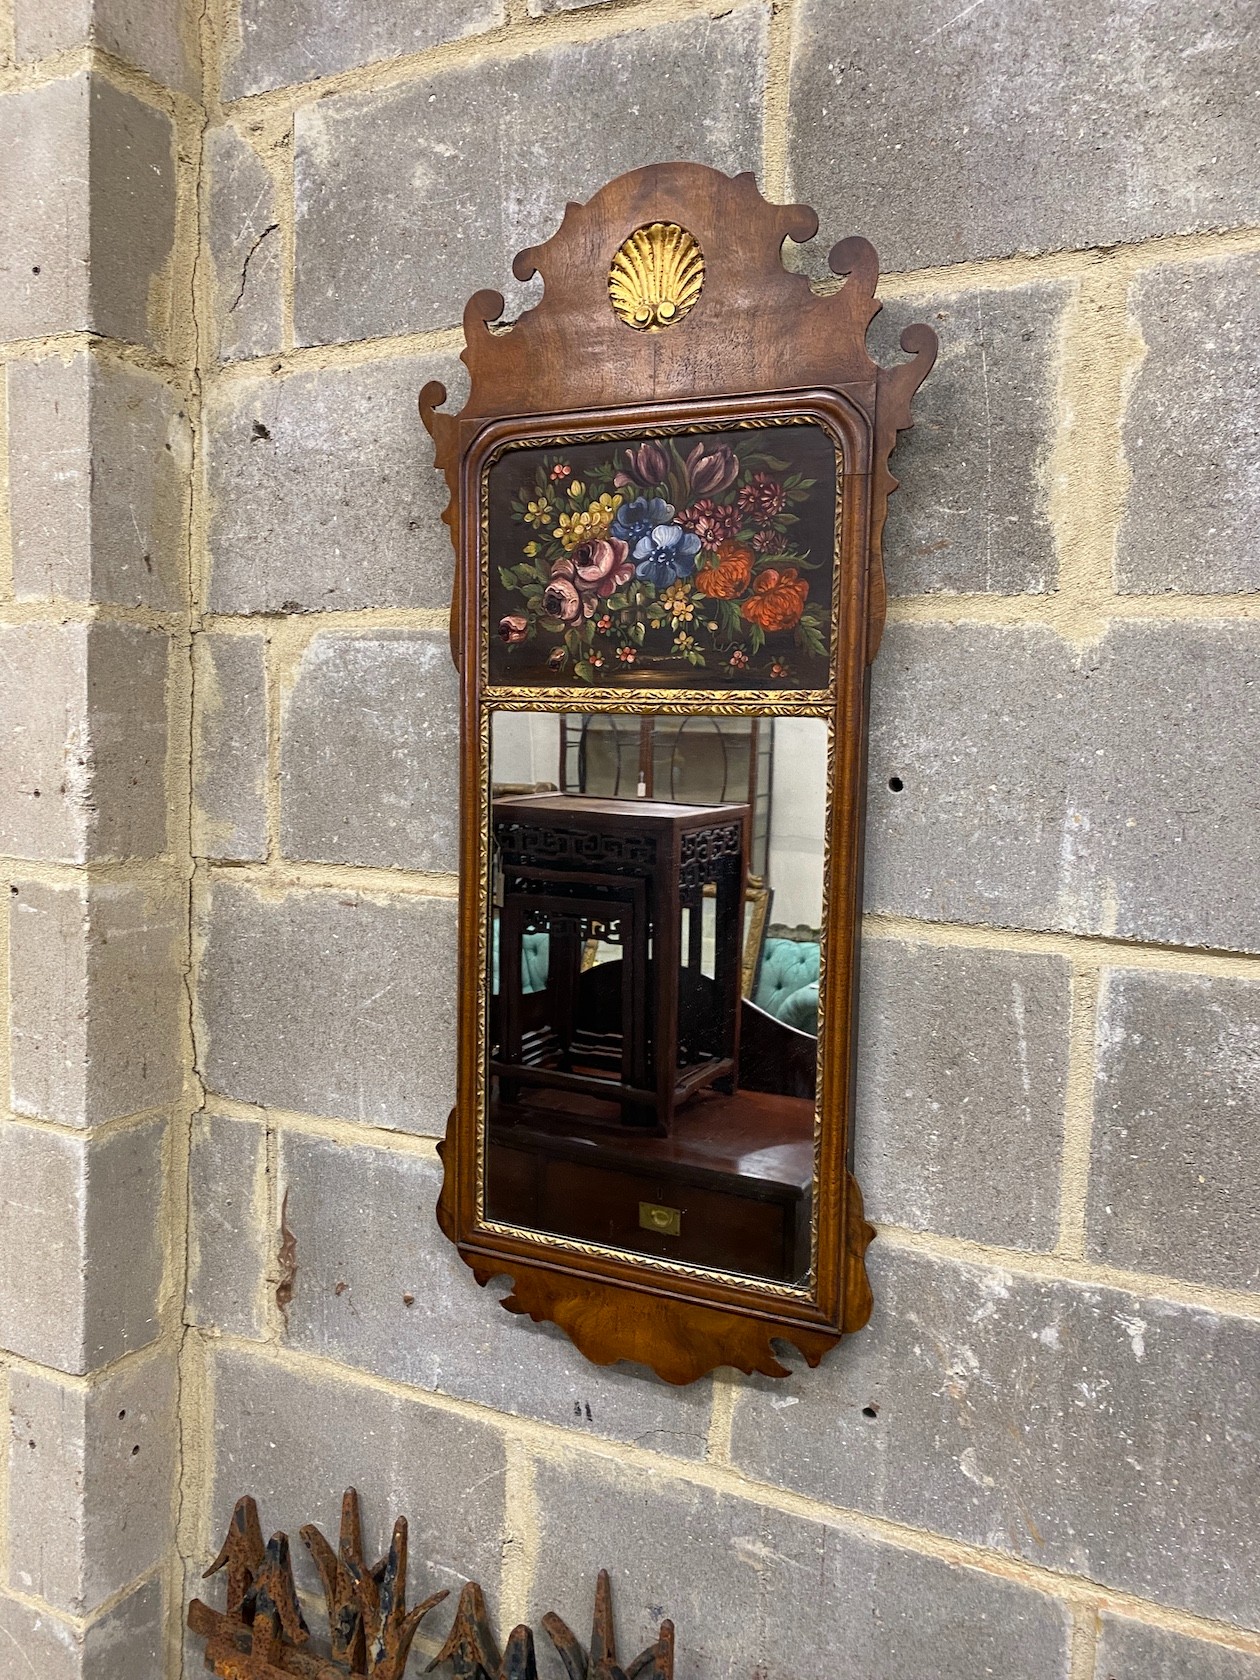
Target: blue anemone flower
<point x="634" y="520"/>
<point x="666" y="553"/>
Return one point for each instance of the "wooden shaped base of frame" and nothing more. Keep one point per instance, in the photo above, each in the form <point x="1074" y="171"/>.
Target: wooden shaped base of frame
<point x="681" y="1340"/>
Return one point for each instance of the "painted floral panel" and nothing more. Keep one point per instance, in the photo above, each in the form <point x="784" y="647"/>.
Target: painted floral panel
<point x="701" y="560"/>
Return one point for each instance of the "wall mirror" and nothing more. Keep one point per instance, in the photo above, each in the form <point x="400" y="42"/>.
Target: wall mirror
<point x="667" y="492"/>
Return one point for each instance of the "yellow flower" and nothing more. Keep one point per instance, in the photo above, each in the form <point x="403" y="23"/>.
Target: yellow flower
<point x="539" y="513"/>
<point x="531" y="550"/>
<point x="577" y="490"/>
<point x="575" y="528"/>
<point x="604" y="508"/>
<point x="678" y="603"/>
<point x="683" y="641"/>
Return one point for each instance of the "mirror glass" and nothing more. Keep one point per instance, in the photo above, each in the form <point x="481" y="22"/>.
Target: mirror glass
<point x="653" y="979"/>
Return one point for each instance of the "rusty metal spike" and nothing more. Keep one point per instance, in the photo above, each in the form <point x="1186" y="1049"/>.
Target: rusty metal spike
<point x="603" y="1635"/>
<point x="470" y="1648"/>
<point x="324" y="1559"/>
<point x="518" y="1659"/>
<point x="350" y="1540"/>
<point x="394" y="1578"/>
<point x="367" y="1592"/>
<point x="345" y="1623"/>
<point x="657" y="1662"/>
<point x="665" y="1645"/>
<point x="274" y="1592"/>
<point x="243" y="1554"/>
<point x="383" y="1596"/>
<point x="566" y="1643"/>
<point x="416" y="1616"/>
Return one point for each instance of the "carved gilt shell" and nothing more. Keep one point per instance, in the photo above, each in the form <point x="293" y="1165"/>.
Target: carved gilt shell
<point x="656" y="276"/>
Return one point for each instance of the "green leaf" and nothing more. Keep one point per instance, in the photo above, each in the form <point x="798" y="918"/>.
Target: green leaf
<point x="584" y="672"/>
<point x="807" y="636"/>
<point x="636" y="634"/>
<point x="507" y="576"/>
<point x="728" y="617"/>
<point x="756" y="637"/>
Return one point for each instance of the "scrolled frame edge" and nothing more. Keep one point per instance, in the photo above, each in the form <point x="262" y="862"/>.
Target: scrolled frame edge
<point x="681" y="1339"/>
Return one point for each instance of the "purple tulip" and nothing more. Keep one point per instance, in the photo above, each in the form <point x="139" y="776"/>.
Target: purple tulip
<point x="713" y="471"/>
<point x="647" y="465"/>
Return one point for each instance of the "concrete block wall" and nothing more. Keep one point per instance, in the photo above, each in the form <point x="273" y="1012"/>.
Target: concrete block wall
<point x="1040" y="1460"/>
<point x="99" y="139"/>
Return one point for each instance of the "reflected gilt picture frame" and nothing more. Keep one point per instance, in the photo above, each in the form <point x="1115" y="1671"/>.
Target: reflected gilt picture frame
<point x="668" y="487"/>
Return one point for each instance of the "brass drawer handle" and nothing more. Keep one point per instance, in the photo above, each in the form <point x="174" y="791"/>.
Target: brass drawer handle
<point x="666" y="1220"/>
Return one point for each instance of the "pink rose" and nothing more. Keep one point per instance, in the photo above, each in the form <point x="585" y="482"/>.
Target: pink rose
<point x="602" y="565"/>
<point x="513" y="627"/>
<point x="562" y="601"/>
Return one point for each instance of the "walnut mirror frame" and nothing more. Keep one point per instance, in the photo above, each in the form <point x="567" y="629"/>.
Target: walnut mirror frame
<point x="667" y="494"/>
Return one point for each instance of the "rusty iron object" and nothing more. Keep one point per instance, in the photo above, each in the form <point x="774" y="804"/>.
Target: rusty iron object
<point x="471" y="1648"/>
<point x="599" y="1661"/>
<point x="262" y="1634"/>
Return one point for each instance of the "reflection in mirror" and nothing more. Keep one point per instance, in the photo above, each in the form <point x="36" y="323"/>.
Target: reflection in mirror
<point x="654" y="950"/>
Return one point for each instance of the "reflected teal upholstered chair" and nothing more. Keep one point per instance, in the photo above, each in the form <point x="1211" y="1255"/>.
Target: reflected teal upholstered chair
<point x="533" y="961"/>
<point x="787" y="985"/>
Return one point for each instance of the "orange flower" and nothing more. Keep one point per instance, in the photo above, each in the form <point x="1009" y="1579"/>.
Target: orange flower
<point x="729" y="577"/>
<point x="778" y="599"/>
